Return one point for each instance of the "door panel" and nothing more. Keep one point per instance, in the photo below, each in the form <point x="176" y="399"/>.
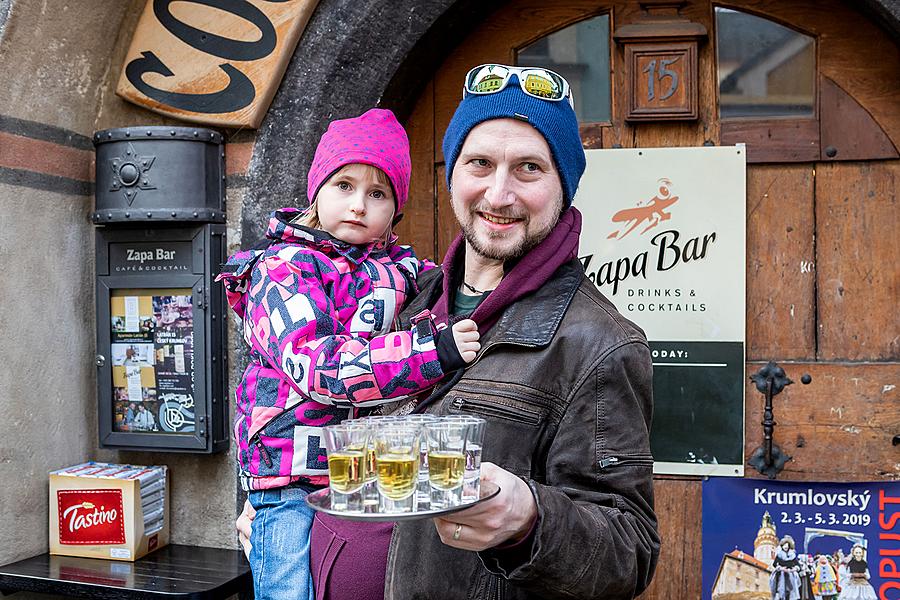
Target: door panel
<point x="837" y="428"/>
<point x="822" y="282"/>
<point x="857" y="248"/>
<point x="781" y="278"/>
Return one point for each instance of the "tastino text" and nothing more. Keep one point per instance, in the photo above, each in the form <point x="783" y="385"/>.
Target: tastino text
<point x="82" y="520"/>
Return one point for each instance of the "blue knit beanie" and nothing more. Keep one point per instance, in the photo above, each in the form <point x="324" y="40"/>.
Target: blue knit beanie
<point x="556" y="121"/>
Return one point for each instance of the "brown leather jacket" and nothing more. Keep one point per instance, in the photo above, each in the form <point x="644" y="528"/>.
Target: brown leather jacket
<point x="564" y="382"/>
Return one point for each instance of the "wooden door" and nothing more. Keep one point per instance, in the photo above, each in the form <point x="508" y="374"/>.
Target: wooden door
<point x="822" y="279"/>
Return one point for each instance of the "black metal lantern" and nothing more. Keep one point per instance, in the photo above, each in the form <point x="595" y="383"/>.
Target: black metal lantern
<point x="160" y="205"/>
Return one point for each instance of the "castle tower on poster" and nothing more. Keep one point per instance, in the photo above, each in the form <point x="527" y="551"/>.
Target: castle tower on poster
<point x="766" y="543"/>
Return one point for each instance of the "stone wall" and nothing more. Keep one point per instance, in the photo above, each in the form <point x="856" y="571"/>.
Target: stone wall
<point x="59" y="63"/>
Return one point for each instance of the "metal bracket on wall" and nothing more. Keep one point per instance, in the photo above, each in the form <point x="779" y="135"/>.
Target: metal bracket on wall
<point x="769" y="459"/>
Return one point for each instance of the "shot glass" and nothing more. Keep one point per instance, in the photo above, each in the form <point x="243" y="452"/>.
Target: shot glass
<point x="370" y="487"/>
<point x="397" y="447"/>
<point x="346" y="446"/>
<point x="474" y="442"/>
<point x="423" y="487"/>
<point x="446" y="461"/>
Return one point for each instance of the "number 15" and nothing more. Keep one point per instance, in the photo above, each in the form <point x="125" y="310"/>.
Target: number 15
<point x="650" y="70"/>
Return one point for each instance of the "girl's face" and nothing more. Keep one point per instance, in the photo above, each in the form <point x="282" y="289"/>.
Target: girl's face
<point x="786" y="546"/>
<point x="857" y="553"/>
<point x="356" y="204"/>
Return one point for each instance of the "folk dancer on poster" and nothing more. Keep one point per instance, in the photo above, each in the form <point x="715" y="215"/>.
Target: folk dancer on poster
<point x="824" y="580"/>
<point x="785" y="579"/>
<point x="857" y="586"/>
<point x="807" y="567"/>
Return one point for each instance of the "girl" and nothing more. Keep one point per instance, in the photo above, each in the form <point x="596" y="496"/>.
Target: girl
<point x="317" y="302"/>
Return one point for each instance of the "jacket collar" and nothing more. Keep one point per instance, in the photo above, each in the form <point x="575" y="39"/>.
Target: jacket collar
<point x="534" y="319"/>
<point x="530" y="321"/>
<point x="282" y="229"/>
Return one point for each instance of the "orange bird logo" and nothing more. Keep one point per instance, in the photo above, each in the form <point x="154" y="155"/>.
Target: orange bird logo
<point x="653" y="212"/>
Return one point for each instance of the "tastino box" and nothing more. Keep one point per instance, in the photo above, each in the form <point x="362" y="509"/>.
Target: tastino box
<point x="103" y="510"/>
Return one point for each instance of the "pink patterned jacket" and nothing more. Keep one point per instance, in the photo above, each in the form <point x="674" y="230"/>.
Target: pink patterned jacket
<point x="317" y="314"/>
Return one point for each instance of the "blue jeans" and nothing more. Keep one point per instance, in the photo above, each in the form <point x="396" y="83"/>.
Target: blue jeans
<point x="279" y="558"/>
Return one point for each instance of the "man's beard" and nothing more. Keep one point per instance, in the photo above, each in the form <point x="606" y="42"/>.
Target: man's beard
<point x="531" y="238"/>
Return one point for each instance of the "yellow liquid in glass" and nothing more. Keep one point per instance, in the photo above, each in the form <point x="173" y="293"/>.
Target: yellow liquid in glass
<point x="346" y="470"/>
<point x="397" y="475"/>
<point x="445" y="469"/>
<point x="370" y="465"/>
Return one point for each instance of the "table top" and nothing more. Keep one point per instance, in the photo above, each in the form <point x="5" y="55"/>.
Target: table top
<point x="174" y="571"/>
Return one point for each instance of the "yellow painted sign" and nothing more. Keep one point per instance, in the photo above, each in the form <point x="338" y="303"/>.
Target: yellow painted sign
<point x="215" y="62"/>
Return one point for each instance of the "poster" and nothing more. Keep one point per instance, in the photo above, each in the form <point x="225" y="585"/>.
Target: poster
<point x="664" y="238"/>
<point x="833" y="540"/>
<point x="152" y="334"/>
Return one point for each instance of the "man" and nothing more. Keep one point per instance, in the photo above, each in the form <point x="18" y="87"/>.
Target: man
<point x="563" y="380"/>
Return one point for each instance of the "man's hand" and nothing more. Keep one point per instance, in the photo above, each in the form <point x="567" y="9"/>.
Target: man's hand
<point x="507" y="517"/>
<point x="466" y="336"/>
<point x="244" y="526"/>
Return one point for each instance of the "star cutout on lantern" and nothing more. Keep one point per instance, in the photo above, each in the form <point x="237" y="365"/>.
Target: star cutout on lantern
<point x="130" y="173"/>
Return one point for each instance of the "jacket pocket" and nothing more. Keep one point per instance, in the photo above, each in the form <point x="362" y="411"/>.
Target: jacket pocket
<point x="514" y="430"/>
<point x="623" y="470"/>
<point x="283" y="421"/>
<point x="303" y="443"/>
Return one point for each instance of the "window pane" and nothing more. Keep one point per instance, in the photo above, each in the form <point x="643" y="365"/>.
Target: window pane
<point x="580" y="53"/>
<point x="765" y="70"/>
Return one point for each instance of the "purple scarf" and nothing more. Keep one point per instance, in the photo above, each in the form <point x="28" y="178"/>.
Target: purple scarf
<point x="527" y="276"/>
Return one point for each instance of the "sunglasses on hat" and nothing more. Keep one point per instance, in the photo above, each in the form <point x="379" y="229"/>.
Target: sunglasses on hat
<point x="536" y="82"/>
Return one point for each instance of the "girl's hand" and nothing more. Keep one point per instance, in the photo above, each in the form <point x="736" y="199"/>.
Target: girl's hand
<point x="244" y="526"/>
<point x="466" y="336"/>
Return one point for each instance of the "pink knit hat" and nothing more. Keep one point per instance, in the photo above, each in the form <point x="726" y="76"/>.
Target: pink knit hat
<point x="374" y="138"/>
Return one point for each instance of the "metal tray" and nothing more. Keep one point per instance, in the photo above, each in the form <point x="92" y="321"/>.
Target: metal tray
<point x="321" y="501"/>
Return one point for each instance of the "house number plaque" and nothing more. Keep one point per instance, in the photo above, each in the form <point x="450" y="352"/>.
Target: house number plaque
<point x="660" y="51"/>
<point x="662" y="81"/>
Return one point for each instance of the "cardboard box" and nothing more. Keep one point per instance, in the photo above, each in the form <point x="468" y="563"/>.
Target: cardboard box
<point x="104" y="510"/>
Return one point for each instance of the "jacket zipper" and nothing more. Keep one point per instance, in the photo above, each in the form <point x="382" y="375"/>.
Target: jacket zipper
<point x="522" y="415"/>
<point x="264" y="453"/>
<point x="614" y="461"/>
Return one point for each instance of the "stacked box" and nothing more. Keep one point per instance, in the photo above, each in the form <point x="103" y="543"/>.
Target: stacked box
<point x="104" y="510"/>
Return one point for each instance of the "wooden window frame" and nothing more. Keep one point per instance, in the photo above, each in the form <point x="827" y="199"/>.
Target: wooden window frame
<point x="772" y="139"/>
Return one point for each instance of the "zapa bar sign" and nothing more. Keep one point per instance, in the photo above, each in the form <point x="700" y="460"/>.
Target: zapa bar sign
<point x="215" y="62"/>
